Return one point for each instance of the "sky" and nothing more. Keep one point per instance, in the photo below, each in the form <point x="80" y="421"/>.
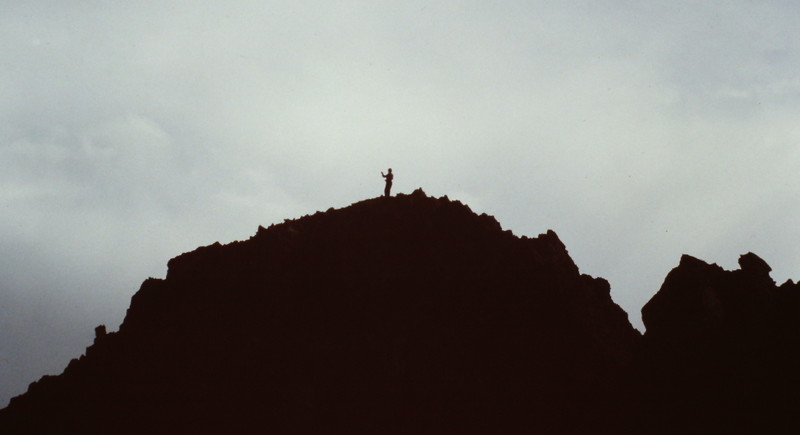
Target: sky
<point x="131" y="132"/>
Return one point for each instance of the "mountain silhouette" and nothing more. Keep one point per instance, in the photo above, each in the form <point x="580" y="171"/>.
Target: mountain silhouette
<point x="412" y="314"/>
<point x="722" y="351"/>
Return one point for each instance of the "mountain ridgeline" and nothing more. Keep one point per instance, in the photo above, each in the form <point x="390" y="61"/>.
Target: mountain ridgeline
<point x="412" y="314"/>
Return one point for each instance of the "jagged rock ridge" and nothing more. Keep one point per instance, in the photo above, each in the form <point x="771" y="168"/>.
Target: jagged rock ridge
<point x="721" y="350"/>
<point x="408" y="314"/>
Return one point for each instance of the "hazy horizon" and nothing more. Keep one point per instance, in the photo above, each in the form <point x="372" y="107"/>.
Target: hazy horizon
<point x="130" y="133"/>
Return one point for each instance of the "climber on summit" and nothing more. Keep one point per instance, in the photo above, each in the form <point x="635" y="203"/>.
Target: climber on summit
<point x="388" y="178"/>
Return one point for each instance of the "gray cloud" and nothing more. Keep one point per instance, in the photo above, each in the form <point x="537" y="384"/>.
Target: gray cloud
<point x="130" y="133"/>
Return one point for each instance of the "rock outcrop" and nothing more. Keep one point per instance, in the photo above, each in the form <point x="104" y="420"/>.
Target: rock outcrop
<point x="407" y="314"/>
<point x="721" y="351"/>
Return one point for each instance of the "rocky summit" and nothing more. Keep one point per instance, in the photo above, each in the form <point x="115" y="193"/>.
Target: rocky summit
<point x="412" y="314"/>
<point x="722" y="351"/>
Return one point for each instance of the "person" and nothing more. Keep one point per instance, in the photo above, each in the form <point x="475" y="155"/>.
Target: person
<point x="388" y="178"/>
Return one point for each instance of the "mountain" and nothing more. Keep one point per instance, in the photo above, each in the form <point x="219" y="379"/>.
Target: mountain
<point x="412" y="314"/>
<point x="407" y="314"/>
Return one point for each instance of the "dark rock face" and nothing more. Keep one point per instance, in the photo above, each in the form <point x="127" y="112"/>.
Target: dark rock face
<point x="721" y="351"/>
<point x="394" y="315"/>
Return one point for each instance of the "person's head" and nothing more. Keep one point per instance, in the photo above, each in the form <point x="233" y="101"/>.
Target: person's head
<point x="390" y="170"/>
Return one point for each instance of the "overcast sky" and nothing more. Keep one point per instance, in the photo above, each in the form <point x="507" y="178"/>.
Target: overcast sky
<point x="131" y="132"/>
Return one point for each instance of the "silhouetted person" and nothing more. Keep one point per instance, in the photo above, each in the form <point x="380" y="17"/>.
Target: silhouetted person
<point x="388" y="177"/>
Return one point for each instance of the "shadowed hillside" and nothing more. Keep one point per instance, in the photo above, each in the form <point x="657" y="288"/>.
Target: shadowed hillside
<point x="407" y="314"/>
<point x="413" y="314"/>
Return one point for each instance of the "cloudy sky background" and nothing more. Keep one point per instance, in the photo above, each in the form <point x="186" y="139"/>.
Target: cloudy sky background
<point x="131" y="132"/>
